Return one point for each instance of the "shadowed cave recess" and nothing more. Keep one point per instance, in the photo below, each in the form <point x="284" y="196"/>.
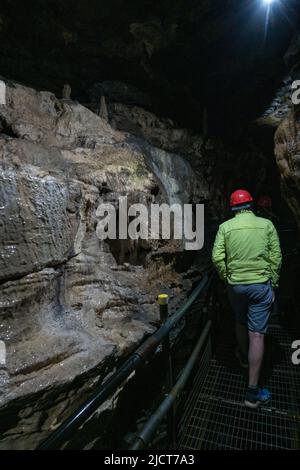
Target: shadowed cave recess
<point x="160" y="101"/>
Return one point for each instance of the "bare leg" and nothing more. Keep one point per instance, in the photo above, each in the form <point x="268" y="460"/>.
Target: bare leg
<point x="242" y="338"/>
<point x="255" y="356"/>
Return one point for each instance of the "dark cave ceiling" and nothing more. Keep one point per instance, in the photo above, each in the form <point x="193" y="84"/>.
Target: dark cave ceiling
<point x="187" y="55"/>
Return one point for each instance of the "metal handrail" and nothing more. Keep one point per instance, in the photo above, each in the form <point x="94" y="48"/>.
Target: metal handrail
<point x="144" y="436"/>
<point x="138" y="358"/>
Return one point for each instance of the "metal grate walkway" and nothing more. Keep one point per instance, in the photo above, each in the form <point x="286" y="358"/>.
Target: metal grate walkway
<point x="215" y="416"/>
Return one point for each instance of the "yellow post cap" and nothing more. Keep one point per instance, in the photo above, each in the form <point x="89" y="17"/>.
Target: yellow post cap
<point x="163" y="299"/>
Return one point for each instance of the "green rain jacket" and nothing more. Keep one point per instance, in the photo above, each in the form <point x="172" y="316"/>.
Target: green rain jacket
<point x="247" y="250"/>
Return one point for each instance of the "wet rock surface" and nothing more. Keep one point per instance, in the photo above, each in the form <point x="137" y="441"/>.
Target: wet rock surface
<point x="72" y="306"/>
<point x="40" y="218"/>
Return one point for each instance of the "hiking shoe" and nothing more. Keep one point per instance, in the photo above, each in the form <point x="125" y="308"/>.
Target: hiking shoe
<point x="255" y="398"/>
<point x="243" y="361"/>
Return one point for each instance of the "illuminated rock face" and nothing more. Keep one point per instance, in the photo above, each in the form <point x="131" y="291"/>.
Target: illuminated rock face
<point x="287" y="151"/>
<point x="287" y="135"/>
<point x="71" y="305"/>
<point x="40" y="219"/>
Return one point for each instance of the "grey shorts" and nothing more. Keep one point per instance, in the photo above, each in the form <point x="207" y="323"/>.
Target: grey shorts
<point x="252" y="304"/>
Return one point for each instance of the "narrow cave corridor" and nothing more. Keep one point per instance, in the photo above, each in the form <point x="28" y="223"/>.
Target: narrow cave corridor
<point x="126" y="129"/>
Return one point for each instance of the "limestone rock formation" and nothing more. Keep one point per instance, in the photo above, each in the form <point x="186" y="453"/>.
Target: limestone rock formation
<point x="118" y="92"/>
<point x="283" y="116"/>
<point x="42" y="118"/>
<point x="168" y="143"/>
<point x="280" y="106"/>
<point x="164" y="48"/>
<point x="66" y="93"/>
<point x="160" y="132"/>
<point x="71" y="305"/>
<point x="287" y="151"/>
<point x="103" y="113"/>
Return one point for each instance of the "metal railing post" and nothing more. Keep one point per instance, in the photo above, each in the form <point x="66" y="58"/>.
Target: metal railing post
<point x="145" y="435"/>
<point x="68" y="427"/>
<point x="163" y="300"/>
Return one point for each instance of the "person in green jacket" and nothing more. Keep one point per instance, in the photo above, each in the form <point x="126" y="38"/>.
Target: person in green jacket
<point x="247" y="256"/>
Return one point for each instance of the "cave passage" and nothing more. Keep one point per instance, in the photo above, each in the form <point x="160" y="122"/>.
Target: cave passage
<point x="167" y="104"/>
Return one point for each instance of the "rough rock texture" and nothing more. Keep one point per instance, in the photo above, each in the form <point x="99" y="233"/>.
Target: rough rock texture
<point x="118" y="92"/>
<point x="46" y="236"/>
<point x="283" y="116"/>
<point x="168" y="142"/>
<point x="185" y="56"/>
<point x="219" y="167"/>
<point x="287" y="151"/>
<point x="72" y="306"/>
<point x="158" y="131"/>
<point x="282" y="104"/>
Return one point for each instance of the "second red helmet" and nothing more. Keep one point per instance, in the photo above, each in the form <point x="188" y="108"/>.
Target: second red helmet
<point x="264" y="201"/>
<point x="240" y="196"/>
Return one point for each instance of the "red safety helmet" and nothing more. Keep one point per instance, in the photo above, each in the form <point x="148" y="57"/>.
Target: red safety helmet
<point x="264" y="201"/>
<point x="240" y="197"/>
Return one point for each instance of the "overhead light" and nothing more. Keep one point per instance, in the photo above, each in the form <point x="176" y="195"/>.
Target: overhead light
<point x="268" y="2"/>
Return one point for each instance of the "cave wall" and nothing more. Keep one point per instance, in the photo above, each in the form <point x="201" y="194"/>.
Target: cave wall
<point x="281" y="120"/>
<point x="71" y="306"/>
<point x="287" y="151"/>
<point x="186" y="58"/>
